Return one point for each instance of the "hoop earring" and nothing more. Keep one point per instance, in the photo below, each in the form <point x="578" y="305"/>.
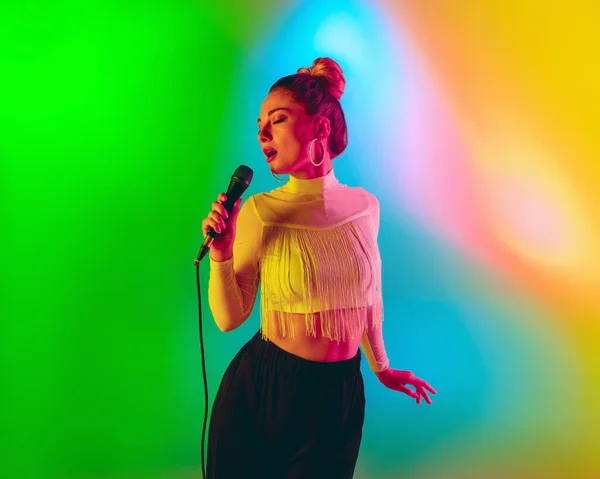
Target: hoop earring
<point x="310" y="148"/>
<point x="277" y="178"/>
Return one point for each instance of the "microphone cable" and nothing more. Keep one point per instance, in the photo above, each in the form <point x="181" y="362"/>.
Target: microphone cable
<point x="203" y="370"/>
<point x="240" y="180"/>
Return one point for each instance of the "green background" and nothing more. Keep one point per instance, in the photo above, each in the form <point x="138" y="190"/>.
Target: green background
<point x="120" y="122"/>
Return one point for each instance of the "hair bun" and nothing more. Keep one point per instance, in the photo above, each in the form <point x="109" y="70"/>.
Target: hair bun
<point x="330" y="70"/>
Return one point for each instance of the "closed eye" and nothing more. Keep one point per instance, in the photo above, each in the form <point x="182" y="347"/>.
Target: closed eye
<point x="275" y="122"/>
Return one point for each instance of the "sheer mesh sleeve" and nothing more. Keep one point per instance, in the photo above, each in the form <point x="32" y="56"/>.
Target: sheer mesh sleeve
<point x="372" y="339"/>
<point x="233" y="284"/>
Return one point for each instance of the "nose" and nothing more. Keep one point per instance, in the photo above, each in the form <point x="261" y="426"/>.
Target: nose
<point x="264" y="134"/>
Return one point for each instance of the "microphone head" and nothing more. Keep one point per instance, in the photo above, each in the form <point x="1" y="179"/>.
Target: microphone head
<point x="243" y="174"/>
<point x="239" y="183"/>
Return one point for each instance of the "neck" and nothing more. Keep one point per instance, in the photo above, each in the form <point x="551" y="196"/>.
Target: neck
<point x="311" y="186"/>
<point x="313" y="171"/>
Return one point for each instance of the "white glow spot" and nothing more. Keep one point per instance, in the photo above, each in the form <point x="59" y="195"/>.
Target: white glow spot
<point x="340" y="35"/>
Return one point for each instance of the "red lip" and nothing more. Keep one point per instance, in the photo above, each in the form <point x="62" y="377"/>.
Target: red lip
<point x="270" y="153"/>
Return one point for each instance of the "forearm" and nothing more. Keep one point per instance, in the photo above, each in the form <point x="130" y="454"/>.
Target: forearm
<point x="374" y="349"/>
<point x="220" y="257"/>
<point x="225" y="296"/>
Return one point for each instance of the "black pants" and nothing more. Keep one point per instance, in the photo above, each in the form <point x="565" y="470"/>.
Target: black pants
<point x="278" y="416"/>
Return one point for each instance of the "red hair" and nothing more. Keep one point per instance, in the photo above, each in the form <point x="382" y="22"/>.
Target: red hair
<point x="320" y="88"/>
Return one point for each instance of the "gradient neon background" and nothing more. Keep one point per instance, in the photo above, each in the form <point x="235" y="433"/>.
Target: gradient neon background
<point x="475" y="123"/>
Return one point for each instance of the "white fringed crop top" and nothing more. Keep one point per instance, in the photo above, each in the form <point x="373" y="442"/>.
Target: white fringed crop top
<point x="312" y="245"/>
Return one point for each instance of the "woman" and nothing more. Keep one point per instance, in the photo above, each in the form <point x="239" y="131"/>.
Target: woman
<point x="291" y="403"/>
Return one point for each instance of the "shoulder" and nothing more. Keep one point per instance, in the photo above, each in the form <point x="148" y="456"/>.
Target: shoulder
<point x="249" y="211"/>
<point x="369" y="198"/>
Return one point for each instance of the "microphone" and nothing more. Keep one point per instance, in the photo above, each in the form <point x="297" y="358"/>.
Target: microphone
<point x="240" y="180"/>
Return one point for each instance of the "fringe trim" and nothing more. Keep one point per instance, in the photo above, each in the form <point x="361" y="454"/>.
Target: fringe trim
<point x="340" y="276"/>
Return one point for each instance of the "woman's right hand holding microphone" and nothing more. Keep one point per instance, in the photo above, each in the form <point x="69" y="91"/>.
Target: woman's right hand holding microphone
<point x="224" y="224"/>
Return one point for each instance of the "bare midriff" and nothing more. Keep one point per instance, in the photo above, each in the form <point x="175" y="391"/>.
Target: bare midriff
<point x="317" y="348"/>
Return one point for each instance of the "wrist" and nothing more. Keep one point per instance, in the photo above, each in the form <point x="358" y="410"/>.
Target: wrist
<point x="220" y="256"/>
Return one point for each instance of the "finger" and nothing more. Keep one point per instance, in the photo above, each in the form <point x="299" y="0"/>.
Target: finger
<point x="209" y="223"/>
<point x="222" y="198"/>
<point x="236" y="208"/>
<point x="219" y="208"/>
<point x="216" y="217"/>
<point x="205" y="227"/>
<point x="408" y="392"/>
<point x="425" y="395"/>
<point x="209" y="226"/>
<point x="217" y="227"/>
<point x="428" y="387"/>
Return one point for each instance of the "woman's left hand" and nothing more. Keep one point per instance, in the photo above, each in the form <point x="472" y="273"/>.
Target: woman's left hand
<point x="397" y="380"/>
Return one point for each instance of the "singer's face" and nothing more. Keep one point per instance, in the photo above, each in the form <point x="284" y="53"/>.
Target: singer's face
<point x="285" y="131"/>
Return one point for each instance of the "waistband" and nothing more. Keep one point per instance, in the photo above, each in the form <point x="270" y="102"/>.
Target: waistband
<point x="264" y="350"/>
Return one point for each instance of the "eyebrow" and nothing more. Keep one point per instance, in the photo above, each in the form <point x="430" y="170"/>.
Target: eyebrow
<point x="273" y="111"/>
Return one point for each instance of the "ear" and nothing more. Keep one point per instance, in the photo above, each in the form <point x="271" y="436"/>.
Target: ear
<point x="322" y="127"/>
